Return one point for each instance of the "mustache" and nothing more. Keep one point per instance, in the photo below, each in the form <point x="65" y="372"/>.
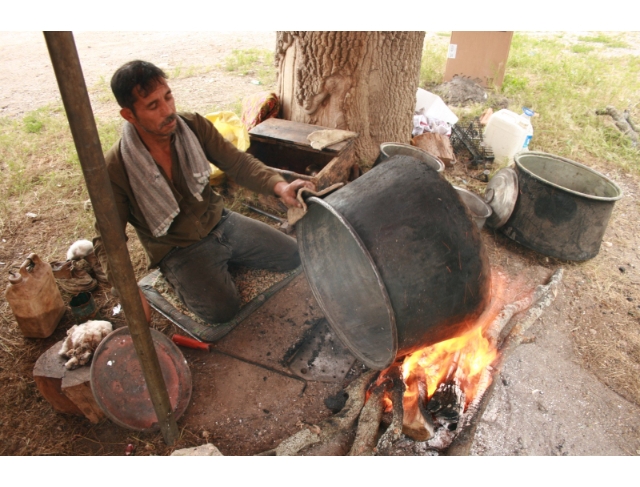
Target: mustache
<point x="169" y="119"/>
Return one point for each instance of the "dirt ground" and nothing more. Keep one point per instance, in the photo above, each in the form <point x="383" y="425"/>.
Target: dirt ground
<point x="574" y="390"/>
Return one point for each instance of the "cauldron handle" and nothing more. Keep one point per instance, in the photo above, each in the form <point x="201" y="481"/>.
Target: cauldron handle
<point x="294" y="214"/>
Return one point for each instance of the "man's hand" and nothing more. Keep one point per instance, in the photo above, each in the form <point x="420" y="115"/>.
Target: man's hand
<point x="288" y="192"/>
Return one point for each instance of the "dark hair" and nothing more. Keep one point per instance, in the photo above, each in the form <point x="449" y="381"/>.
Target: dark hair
<point x="134" y="73"/>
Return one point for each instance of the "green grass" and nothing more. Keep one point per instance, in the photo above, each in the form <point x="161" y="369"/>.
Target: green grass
<point x="102" y="90"/>
<point x="565" y="83"/>
<point x="434" y="60"/>
<point x="39" y="166"/>
<point x="257" y="63"/>
<point x="33" y="122"/>
<point x="565" y="88"/>
<point x="608" y="41"/>
<point x="581" y="49"/>
<point x="180" y="71"/>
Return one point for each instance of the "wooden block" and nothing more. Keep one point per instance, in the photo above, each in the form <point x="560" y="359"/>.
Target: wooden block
<point x="48" y="374"/>
<point x="68" y="391"/>
<point x="76" y="385"/>
<point x="338" y="170"/>
<point x="437" y="145"/>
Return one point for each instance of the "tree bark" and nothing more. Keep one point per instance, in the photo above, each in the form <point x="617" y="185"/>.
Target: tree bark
<point x="365" y="82"/>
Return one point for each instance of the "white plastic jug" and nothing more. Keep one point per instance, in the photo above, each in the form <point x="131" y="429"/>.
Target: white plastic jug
<point x="505" y="134"/>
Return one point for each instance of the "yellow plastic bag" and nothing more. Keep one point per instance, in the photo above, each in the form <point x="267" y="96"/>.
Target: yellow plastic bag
<point x="231" y="128"/>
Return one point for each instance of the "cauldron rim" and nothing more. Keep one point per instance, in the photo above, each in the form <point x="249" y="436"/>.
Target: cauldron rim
<point x="520" y="160"/>
<point x="337" y="328"/>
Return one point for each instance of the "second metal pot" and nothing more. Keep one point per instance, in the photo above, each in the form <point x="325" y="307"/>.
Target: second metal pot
<point x="390" y="149"/>
<point x="563" y="207"/>
<point x="394" y="261"/>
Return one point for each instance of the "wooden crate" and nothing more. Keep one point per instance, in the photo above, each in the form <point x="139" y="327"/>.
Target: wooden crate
<point x="283" y="144"/>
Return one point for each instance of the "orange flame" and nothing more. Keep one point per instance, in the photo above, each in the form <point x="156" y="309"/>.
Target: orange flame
<point x="463" y="358"/>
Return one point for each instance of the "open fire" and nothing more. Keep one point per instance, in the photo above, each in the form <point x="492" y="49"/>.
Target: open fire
<point x="442" y="380"/>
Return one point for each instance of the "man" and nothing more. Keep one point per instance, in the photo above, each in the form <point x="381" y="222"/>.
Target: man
<point x="159" y="171"/>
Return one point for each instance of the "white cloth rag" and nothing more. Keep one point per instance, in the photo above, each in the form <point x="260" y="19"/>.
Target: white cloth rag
<point x="153" y="194"/>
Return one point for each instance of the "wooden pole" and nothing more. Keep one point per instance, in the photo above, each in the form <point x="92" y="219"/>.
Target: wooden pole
<point x="66" y="64"/>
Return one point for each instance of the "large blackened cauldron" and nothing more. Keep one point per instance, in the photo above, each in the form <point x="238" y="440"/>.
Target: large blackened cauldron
<point x="394" y="260"/>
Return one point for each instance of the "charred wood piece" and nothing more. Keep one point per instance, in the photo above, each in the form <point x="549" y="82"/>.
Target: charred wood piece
<point x="543" y="296"/>
<point x="394" y="431"/>
<point x="500" y="323"/>
<point x="447" y="404"/>
<point x="483" y="385"/>
<point x="336" y="402"/>
<point x="369" y="422"/>
<point x="443" y="438"/>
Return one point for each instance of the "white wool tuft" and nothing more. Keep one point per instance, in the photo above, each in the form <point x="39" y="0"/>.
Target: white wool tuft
<point x="79" y="249"/>
<point x="82" y="340"/>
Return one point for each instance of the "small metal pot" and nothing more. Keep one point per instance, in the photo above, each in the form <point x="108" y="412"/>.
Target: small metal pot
<point x="478" y="209"/>
<point x="390" y="149"/>
<point x="563" y="207"/>
<point x="83" y="307"/>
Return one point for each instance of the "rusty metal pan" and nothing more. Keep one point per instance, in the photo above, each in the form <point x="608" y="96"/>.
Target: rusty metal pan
<point x="119" y="387"/>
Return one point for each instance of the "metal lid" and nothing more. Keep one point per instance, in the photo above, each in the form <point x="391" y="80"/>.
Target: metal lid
<point x="119" y="386"/>
<point x="501" y="194"/>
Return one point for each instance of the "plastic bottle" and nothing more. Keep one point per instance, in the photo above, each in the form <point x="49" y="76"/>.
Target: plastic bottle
<point x="525" y="121"/>
<point x="34" y="298"/>
<point x="505" y="134"/>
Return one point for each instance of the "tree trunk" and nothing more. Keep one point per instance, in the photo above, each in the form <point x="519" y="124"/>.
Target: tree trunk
<point x="365" y="82"/>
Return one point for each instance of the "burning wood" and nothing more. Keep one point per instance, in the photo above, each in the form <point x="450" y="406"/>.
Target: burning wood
<point x="543" y="296"/>
<point x="369" y="422"/>
<point x="394" y="431"/>
<point x="416" y="422"/>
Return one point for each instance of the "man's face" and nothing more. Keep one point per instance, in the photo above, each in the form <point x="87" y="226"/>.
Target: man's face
<point x="154" y="113"/>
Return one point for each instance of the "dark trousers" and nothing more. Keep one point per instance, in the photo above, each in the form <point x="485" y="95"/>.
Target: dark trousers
<point x="199" y="273"/>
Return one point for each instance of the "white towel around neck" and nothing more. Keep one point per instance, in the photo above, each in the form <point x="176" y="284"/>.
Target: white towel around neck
<point x="153" y="194"/>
